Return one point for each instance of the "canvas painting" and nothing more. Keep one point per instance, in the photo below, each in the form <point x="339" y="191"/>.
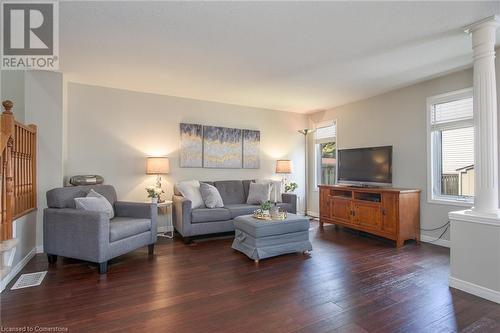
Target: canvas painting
<point x="251" y="149"/>
<point x="222" y="147"/>
<point x="191" y="152"/>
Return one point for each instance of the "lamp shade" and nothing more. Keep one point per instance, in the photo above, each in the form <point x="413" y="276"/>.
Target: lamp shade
<point x="157" y="165"/>
<point x="283" y="166"/>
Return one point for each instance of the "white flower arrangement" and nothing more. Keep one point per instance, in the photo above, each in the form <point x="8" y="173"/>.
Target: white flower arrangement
<point x="154" y="192"/>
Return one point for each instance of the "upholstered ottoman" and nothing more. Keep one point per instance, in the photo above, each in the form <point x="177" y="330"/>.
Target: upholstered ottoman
<point x="260" y="239"/>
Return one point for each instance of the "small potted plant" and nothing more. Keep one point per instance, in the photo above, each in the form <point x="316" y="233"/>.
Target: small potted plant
<point x="265" y="207"/>
<point x="290" y="187"/>
<point x="154" y="193"/>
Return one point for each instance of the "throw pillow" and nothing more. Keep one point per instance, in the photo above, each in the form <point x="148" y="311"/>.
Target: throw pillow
<point x="95" y="202"/>
<point x="190" y="189"/>
<point x="258" y="193"/>
<point x="211" y="196"/>
<point x="276" y="189"/>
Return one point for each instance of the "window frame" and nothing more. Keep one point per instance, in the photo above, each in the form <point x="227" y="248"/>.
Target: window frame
<point x="317" y="165"/>
<point x="434" y="158"/>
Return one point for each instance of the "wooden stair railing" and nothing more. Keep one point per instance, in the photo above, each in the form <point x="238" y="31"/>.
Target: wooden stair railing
<point x="17" y="170"/>
<point x="6" y="171"/>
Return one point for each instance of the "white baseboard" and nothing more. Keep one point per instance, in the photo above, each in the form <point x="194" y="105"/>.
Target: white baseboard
<point x="474" y="289"/>
<point x="39" y="249"/>
<point x="14" y="271"/>
<point x="432" y="240"/>
<point x="313" y="214"/>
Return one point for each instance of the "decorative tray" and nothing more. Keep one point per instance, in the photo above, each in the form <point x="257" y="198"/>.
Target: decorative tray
<point x="261" y="216"/>
<point x="278" y="216"/>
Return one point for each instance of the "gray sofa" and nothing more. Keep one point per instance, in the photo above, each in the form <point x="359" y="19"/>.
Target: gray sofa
<point x="202" y="221"/>
<point x="92" y="236"/>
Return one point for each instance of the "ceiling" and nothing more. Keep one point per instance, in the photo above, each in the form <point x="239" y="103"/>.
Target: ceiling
<point x="290" y="56"/>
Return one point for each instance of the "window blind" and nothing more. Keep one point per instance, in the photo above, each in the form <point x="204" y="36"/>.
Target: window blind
<point x="454" y="114"/>
<point x="325" y="133"/>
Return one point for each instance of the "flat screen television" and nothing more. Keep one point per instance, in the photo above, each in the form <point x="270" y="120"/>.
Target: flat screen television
<point x="365" y="166"/>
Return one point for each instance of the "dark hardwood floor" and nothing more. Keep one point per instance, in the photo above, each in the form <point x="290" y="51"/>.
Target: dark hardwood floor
<point x="350" y="283"/>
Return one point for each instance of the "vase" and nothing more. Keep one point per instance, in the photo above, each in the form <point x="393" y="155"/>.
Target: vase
<point x="154" y="200"/>
<point x="274" y="210"/>
<point x="266" y="212"/>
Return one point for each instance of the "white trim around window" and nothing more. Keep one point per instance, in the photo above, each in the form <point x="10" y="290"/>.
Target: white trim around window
<point x="434" y="155"/>
<point x="316" y="151"/>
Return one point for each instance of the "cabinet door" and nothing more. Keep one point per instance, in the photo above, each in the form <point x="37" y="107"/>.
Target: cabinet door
<point x="390" y="204"/>
<point x="324" y="203"/>
<point x="341" y="209"/>
<point x="367" y="215"/>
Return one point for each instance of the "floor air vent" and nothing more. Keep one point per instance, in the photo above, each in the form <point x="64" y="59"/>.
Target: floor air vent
<point x="29" y="280"/>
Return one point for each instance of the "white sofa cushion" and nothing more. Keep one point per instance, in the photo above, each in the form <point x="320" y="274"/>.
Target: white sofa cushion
<point x="190" y="189"/>
<point x="276" y="189"/>
<point x="258" y="193"/>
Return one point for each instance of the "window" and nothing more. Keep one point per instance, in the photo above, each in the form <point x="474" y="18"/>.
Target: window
<point x="451" y="147"/>
<point x="325" y="143"/>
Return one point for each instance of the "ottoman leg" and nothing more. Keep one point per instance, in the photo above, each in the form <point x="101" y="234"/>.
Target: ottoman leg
<point x="256" y="261"/>
<point x="307" y="252"/>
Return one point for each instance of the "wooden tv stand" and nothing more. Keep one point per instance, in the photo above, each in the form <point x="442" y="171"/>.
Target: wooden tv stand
<point x="387" y="212"/>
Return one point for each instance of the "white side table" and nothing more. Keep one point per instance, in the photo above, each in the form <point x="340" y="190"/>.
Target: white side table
<point x="165" y="227"/>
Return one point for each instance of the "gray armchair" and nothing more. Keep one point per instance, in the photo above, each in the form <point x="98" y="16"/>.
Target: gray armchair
<point x="92" y="236"/>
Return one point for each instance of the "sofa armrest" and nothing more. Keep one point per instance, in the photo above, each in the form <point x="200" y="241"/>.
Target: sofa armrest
<point x="139" y="210"/>
<point x="181" y="215"/>
<point x="76" y="233"/>
<point x="290" y="198"/>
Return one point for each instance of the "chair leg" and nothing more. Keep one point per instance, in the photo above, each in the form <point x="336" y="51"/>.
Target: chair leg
<point x="103" y="267"/>
<point x="52" y="258"/>
<point x="151" y="249"/>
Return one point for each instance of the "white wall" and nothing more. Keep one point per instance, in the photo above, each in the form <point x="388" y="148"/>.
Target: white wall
<point x="397" y="118"/>
<point x="12" y="88"/>
<point x="24" y="229"/>
<point x="44" y="108"/>
<point x="112" y="131"/>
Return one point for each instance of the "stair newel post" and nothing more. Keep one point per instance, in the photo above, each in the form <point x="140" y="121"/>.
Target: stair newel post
<point x="7" y="172"/>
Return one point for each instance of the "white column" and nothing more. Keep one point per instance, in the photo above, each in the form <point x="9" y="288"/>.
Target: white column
<point x="485" y="116"/>
<point x="475" y="233"/>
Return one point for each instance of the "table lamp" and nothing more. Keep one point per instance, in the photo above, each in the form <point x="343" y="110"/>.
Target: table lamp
<point x="157" y="166"/>
<point x="284" y="167"/>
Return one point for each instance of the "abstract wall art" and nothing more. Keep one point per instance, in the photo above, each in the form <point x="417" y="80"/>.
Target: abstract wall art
<point x="191" y="152"/>
<point x="219" y="147"/>
<point x="251" y="149"/>
<point x="222" y="147"/>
